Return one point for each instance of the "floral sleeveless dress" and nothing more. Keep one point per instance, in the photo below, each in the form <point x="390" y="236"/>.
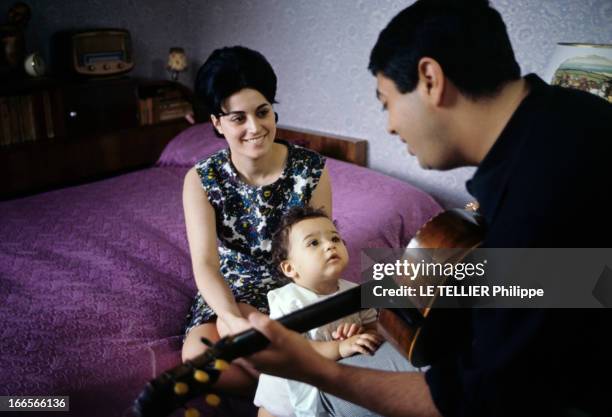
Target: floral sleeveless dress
<point x="246" y="218"/>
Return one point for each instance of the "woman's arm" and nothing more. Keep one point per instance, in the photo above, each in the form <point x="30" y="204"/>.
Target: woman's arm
<point x="202" y="237"/>
<point x="322" y="194"/>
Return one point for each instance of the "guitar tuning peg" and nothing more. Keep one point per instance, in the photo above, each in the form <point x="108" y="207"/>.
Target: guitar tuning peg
<point x="192" y="412"/>
<point x="221" y="365"/>
<point x="212" y="400"/>
<point x="200" y="376"/>
<point x="180" y="388"/>
<point x="206" y="341"/>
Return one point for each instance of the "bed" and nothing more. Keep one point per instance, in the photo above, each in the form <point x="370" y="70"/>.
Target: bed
<point x="95" y="280"/>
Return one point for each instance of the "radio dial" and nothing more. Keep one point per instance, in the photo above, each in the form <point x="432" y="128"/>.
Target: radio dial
<point x="106" y="66"/>
<point x="120" y="65"/>
<point x="91" y="67"/>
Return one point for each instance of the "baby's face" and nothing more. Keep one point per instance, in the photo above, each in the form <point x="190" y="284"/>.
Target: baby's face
<point x="317" y="253"/>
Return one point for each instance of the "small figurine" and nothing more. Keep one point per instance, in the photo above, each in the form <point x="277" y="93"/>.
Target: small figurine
<point x="12" y="38"/>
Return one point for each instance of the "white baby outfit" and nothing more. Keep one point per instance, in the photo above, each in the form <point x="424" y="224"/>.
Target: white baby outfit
<point x="288" y="398"/>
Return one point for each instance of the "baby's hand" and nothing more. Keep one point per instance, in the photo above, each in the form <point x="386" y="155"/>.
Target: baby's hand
<point x="346" y="330"/>
<point x="366" y="343"/>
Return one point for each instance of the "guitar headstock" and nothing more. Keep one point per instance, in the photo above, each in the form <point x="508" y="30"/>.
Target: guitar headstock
<point x="175" y="387"/>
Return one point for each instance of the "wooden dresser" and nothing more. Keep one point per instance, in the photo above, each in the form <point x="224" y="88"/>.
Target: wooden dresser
<point x="55" y="133"/>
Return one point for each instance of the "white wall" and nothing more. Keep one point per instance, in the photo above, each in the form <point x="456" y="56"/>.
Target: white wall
<point x="320" y="51"/>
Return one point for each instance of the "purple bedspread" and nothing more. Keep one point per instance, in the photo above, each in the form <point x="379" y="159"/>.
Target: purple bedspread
<point x="95" y="280"/>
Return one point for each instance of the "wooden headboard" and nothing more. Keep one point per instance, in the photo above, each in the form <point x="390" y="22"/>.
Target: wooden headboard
<point x="338" y="147"/>
<point x="45" y="165"/>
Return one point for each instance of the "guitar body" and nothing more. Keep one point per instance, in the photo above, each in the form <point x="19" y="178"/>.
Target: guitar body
<point x="442" y="328"/>
<point x="422" y="335"/>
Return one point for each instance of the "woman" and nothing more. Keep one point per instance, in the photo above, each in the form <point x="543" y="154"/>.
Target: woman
<point x="238" y="196"/>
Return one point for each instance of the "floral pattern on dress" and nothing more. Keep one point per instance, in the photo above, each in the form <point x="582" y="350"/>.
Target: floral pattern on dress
<point x="246" y="217"/>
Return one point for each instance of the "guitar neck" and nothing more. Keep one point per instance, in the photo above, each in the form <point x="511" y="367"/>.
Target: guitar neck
<point x="158" y="398"/>
<point x="314" y="315"/>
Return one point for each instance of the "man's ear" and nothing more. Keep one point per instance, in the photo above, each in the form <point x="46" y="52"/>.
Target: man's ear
<point x="216" y="122"/>
<point x="432" y="81"/>
<point x="288" y="270"/>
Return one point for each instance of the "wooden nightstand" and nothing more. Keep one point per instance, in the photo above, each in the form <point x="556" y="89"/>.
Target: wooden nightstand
<point x="58" y="133"/>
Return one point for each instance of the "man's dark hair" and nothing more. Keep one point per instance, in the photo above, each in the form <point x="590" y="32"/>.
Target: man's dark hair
<point x="229" y="70"/>
<point x="468" y="38"/>
<point x="280" y="239"/>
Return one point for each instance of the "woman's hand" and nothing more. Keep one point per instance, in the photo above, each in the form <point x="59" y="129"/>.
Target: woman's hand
<point x="235" y="322"/>
<point x="346" y="330"/>
<point x="365" y="343"/>
<point x="289" y="354"/>
<point x="230" y="324"/>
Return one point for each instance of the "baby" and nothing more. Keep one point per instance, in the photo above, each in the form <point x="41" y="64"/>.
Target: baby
<point x="308" y="249"/>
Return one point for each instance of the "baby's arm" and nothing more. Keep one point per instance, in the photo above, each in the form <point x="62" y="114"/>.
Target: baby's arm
<point x="346" y="330"/>
<point x="366" y="343"/>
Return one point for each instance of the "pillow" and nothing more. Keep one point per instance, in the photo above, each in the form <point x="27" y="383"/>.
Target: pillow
<point x="190" y="146"/>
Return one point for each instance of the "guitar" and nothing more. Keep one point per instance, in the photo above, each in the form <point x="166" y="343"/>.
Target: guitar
<point x="422" y="335"/>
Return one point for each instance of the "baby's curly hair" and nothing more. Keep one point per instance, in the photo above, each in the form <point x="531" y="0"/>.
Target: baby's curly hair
<point x="280" y="239"/>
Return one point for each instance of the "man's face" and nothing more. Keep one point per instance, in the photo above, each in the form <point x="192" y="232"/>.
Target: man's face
<point x="417" y="123"/>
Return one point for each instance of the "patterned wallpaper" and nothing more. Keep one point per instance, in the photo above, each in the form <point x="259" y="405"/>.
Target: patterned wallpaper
<point x="320" y="50"/>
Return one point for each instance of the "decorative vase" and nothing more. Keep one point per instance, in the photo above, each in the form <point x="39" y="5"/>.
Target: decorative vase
<point x="582" y="66"/>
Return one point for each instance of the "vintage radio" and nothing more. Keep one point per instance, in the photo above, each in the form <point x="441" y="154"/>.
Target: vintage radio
<point x="92" y="53"/>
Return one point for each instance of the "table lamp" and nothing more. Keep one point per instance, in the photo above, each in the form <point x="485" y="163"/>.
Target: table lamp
<point x="177" y="62"/>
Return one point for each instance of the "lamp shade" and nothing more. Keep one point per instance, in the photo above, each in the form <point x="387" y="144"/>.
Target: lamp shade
<point x="582" y="66"/>
<point x="177" y="60"/>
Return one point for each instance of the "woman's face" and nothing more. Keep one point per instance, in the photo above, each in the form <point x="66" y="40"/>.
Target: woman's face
<point x="247" y="123"/>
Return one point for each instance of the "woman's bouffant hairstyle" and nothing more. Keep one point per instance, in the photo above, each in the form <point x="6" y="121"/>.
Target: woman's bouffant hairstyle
<point x="229" y="70"/>
<point x="280" y="239"/>
<point x="468" y="38"/>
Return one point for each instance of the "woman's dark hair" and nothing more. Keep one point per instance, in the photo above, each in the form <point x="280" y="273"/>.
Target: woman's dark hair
<point x="468" y="38"/>
<point x="229" y="70"/>
<point x="280" y="239"/>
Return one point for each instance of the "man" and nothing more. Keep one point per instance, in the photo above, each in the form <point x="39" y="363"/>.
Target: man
<point x="447" y="77"/>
